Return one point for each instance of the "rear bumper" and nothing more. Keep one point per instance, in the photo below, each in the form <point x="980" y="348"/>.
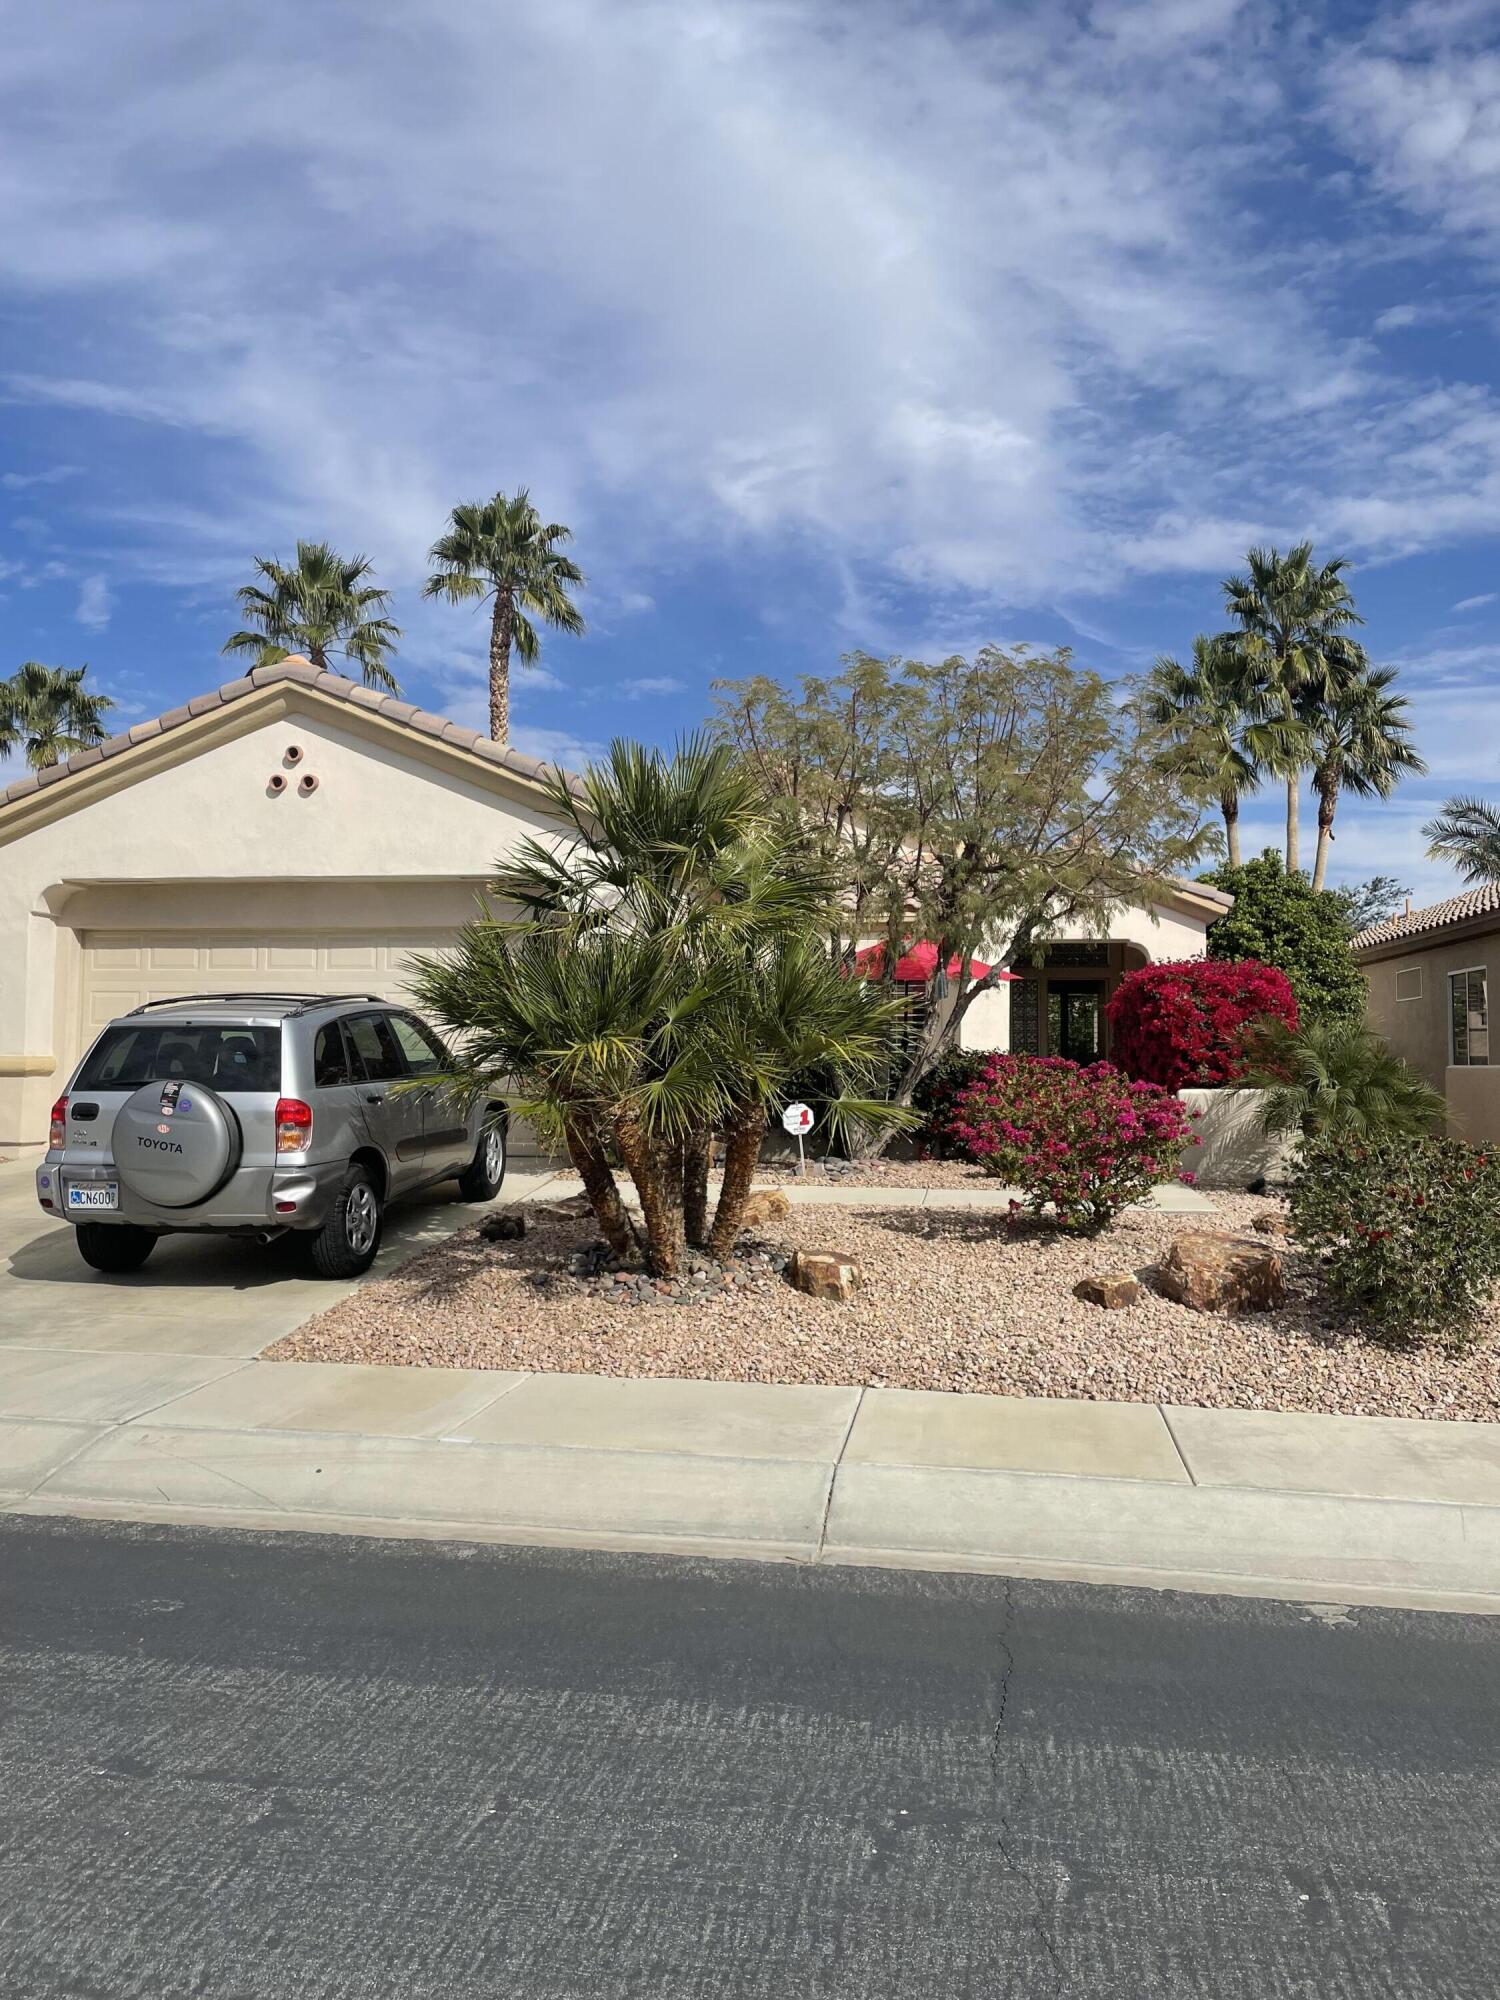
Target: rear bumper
<point x="251" y="1200"/>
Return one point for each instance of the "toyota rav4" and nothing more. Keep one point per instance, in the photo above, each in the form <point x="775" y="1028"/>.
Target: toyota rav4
<point x="255" y="1114"/>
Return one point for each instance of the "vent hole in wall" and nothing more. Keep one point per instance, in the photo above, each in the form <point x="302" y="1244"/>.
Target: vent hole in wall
<point x="307" y="784"/>
<point x="276" y="784"/>
<point x="294" y="754"/>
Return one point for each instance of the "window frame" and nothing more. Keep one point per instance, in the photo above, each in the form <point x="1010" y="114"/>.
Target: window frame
<point x="1405" y="999"/>
<point x="428" y="1036"/>
<point x="378" y="1015"/>
<point x="1467" y="972"/>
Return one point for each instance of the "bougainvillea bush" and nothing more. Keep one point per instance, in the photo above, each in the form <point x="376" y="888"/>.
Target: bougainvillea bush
<point x="1407" y="1230"/>
<point x="1088" y="1141"/>
<point x="1185" y="1024"/>
<point x="936" y="1096"/>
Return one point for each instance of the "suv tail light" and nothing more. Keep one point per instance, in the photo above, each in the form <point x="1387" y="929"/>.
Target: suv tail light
<point x="293" y="1125"/>
<point x="57" y="1131"/>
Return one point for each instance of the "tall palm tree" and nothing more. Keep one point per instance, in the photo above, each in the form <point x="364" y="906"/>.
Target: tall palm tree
<point x="320" y="605"/>
<point x="1216" y="712"/>
<point x="501" y="549"/>
<point x="1360" y="741"/>
<point x="1467" y="833"/>
<point x="1295" y="615"/>
<point x="49" y="714"/>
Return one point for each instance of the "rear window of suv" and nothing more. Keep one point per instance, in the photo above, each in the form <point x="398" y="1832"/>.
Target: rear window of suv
<point x="224" y="1055"/>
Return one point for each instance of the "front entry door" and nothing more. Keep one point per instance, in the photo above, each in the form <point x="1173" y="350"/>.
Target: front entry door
<point x="1075" y="1019"/>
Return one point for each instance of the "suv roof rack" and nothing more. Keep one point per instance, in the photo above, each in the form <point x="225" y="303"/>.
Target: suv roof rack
<point x="295" y="1003"/>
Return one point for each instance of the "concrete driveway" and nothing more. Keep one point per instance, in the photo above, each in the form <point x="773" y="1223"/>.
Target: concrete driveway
<point x="197" y="1296"/>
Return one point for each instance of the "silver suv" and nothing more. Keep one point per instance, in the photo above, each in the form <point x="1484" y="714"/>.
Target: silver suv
<point x="252" y="1114"/>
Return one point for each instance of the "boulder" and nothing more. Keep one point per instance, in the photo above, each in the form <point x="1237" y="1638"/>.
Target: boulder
<point x="770" y="1205"/>
<point x="825" y="1274"/>
<point x="572" y="1208"/>
<point x="506" y="1225"/>
<point x="1113" y="1290"/>
<point x="1212" y="1271"/>
<point x="1272" y="1223"/>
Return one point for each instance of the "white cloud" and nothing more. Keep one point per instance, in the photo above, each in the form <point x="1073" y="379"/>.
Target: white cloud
<point x="557" y="746"/>
<point x="52" y="475"/>
<point x="95" y="603"/>
<point x="1475" y="603"/>
<point x="650" y="684"/>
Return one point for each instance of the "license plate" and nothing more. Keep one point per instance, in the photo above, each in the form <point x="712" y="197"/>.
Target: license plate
<point x="95" y="1194"/>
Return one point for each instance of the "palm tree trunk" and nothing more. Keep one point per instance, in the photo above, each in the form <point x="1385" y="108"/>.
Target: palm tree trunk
<point x="1328" y="799"/>
<point x="661" y="1196"/>
<point x="696" y="1149"/>
<point x="500" y="634"/>
<point x="746" y="1133"/>
<point x="1229" y="805"/>
<point x="1293" y="827"/>
<point x="592" y="1168"/>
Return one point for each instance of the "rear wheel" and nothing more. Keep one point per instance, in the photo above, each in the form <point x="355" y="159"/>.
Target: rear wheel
<point x="482" y="1177"/>
<point x="349" y="1238"/>
<point x="114" y="1246"/>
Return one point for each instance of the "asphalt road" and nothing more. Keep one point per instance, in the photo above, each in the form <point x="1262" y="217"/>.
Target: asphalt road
<point x="264" y="1768"/>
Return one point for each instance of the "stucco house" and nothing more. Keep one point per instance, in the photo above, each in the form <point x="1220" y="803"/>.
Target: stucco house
<point x="1433" y="978"/>
<point x="293" y="830"/>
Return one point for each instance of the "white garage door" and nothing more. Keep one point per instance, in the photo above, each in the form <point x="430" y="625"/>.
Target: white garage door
<point x="123" y="968"/>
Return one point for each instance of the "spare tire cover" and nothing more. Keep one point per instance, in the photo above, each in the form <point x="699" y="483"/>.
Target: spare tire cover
<point x="175" y="1143"/>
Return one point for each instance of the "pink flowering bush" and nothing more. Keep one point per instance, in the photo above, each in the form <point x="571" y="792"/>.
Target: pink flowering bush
<point x="1088" y="1141"/>
<point x="1188" y="1023"/>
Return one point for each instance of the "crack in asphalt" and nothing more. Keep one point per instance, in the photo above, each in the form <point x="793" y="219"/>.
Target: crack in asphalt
<point x="1040" y="1922"/>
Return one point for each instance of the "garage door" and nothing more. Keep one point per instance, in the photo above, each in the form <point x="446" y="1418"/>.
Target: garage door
<point x="123" y="968"/>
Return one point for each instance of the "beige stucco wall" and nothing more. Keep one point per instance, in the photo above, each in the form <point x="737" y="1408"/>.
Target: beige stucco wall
<point x="1474" y="1102"/>
<point x="1419" y="1030"/>
<point x="391" y="836"/>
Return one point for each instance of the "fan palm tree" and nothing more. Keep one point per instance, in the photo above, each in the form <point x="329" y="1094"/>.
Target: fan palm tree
<point x="49" y="714"/>
<point x="1339" y="1079"/>
<point x="1295" y="616"/>
<point x="320" y="605"/>
<point x="501" y="549"/>
<point x="1360" y="740"/>
<point x="1216" y="712"/>
<point x="1467" y="833"/>
<point x="663" y="978"/>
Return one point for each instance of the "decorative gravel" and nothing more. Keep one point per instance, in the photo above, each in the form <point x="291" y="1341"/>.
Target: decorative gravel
<point x="954" y="1299"/>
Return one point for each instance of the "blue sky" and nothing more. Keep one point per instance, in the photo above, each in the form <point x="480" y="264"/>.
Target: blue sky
<point x="825" y="326"/>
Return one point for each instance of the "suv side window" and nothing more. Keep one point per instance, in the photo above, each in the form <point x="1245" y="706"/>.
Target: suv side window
<point x="330" y="1058"/>
<point x="374" y="1048"/>
<point x="424" y="1053"/>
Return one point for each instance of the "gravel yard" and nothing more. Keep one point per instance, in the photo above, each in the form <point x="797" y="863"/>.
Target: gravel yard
<point x="954" y="1300"/>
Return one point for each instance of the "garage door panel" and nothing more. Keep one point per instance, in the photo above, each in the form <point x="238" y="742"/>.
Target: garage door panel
<point x="123" y="970"/>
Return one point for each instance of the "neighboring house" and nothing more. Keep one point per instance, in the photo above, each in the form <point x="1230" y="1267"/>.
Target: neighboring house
<point x="296" y="831"/>
<point x="1434" y="978"/>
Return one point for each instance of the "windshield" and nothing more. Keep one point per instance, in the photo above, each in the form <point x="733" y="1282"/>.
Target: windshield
<point x="227" y="1056"/>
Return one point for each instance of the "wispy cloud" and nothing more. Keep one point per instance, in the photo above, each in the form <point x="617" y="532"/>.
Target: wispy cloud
<point x="95" y="603"/>
<point x="650" y="684"/>
<point x="1475" y="603"/>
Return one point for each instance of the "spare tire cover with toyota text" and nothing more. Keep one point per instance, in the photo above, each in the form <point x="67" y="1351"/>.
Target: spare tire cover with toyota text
<point x="175" y="1143"/>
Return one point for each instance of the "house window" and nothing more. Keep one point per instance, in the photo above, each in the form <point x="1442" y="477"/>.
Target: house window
<point x="906" y="1031"/>
<point x="1469" y="992"/>
<point x="1025" y="1019"/>
<point x="1409" y="983"/>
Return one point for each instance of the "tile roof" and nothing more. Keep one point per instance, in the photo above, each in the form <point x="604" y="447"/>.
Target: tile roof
<point x="305" y="674"/>
<point x="1481" y="902"/>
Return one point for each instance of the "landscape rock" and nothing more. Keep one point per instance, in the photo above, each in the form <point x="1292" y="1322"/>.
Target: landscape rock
<point x="569" y="1209"/>
<point x="770" y="1205"/>
<point x="1113" y="1290"/>
<point x="506" y="1225"/>
<point x="826" y="1274"/>
<point x="1211" y="1271"/>
<point x="1272" y="1223"/>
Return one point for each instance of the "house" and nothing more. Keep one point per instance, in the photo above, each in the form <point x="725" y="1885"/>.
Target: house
<point x="1431" y="976"/>
<point x="294" y="830"/>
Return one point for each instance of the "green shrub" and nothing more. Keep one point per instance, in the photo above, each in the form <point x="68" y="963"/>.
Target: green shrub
<point x="1408" y="1230"/>
<point x="1282" y="920"/>
<point x="936" y="1096"/>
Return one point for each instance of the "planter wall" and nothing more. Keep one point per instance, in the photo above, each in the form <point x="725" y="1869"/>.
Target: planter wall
<point x="1234" y="1151"/>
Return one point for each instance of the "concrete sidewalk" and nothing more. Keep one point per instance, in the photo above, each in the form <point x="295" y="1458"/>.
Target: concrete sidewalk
<point x="1346" y="1508"/>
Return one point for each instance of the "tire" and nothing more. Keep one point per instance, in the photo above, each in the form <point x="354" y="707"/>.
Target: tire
<point x="346" y="1244"/>
<point x="114" y="1246"/>
<point x="483" y="1177"/>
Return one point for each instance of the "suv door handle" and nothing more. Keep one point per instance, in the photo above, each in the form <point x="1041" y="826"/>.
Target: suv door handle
<point x="374" y="1097"/>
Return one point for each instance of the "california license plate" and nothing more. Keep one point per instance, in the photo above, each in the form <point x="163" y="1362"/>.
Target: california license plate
<point x="94" y="1194"/>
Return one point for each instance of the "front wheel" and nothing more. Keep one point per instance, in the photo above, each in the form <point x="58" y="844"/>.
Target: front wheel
<point x="114" y="1246"/>
<point x="346" y="1244"/>
<point x="482" y="1177"/>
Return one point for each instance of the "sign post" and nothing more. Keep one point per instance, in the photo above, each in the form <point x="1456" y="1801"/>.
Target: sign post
<point x="798" y="1119"/>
